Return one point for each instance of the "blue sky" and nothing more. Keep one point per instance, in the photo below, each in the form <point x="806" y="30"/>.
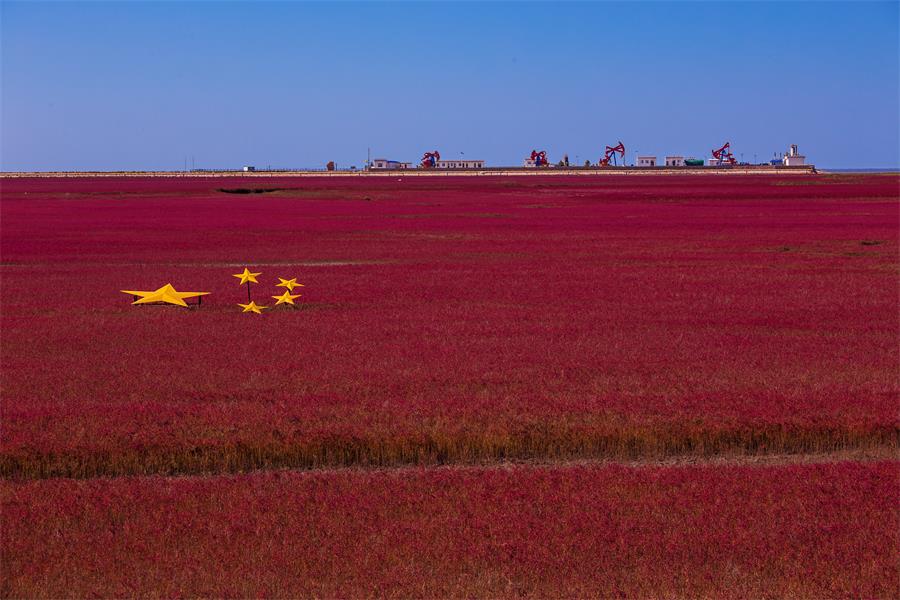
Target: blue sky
<point x="142" y="86"/>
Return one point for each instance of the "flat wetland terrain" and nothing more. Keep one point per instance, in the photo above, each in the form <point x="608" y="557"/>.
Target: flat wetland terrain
<point x="654" y="386"/>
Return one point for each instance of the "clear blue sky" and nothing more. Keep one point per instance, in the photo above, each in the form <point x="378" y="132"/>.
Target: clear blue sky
<point x="141" y="86"/>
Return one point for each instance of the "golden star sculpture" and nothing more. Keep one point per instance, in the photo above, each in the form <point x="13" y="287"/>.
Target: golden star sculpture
<point x="166" y="294"/>
<point x="286" y="298"/>
<point x="252" y="307"/>
<point x="247" y="276"/>
<point x="290" y="284"/>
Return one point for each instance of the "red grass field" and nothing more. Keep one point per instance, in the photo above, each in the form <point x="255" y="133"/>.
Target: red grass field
<point x="812" y="531"/>
<point x="452" y="320"/>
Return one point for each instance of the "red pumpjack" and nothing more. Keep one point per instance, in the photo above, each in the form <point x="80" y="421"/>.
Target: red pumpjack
<point x="611" y="152"/>
<point x="539" y="158"/>
<point x="724" y="155"/>
<point x="429" y="159"/>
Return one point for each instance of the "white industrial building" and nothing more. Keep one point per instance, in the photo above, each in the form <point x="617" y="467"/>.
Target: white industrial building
<point x="382" y="164"/>
<point x="459" y="164"/>
<point x="793" y="158"/>
<point x="646" y="161"/>
<point x="674" y="161"/>
<point x="385" y="164"/>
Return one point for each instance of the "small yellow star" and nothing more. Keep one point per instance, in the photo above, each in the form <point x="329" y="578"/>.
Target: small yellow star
<point x="166" y="294"/>
<point x="247" y="276"/>
<point x="252" y="307"/>
<point x="290" y="284"/>
<point x="286" y="298"/>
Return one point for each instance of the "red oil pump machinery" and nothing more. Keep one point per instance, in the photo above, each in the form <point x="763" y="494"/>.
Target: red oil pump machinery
<point x="724" y="155"/>
<point x="429" y="159"/>
<point x="539" y="158"/>
<point x="610" y="154"/>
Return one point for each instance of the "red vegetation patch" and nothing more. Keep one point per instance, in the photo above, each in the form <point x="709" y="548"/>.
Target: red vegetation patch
<point x="445" y="320"/>
<point x="821" y="531"/>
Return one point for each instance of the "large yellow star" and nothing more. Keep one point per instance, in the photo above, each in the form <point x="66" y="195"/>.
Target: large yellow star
<point x="166" y="294"/>
<point x="247" y="276"/>
<point x="252" y="307"/>
<point x="286" y="298"/>
<point x="290" y="284"/>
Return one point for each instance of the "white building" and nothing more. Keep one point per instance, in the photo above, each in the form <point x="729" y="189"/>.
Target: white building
<point x="646" y="161"/>
<point x="382" y="164"/>
<point x="793" y="158"/>
<point x="249" y="169"/>
<point x="460" y="164"/>
<point x="674" y="161"/>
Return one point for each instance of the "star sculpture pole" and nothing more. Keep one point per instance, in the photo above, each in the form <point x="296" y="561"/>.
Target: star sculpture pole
<point x="164" y="295"/>
<point x="248" y="278"/>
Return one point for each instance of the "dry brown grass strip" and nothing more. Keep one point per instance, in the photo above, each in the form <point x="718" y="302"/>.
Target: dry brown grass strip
<point x="543" y="442"/>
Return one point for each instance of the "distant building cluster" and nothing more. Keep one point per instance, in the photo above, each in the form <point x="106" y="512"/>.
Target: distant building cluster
<point x="721" y="157"/>
<point x="792" y="158"/>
